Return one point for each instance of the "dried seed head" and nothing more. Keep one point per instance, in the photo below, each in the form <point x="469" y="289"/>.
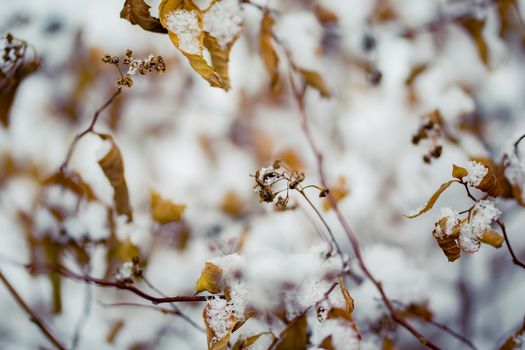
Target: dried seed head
<point x="324" y="192"/>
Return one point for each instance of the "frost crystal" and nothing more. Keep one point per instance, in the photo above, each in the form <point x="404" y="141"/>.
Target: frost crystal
<point x="476" y="173"/>
<point x="185" y="25"/>
<point x="223" y="21"/>
<point x="219" y="317"/>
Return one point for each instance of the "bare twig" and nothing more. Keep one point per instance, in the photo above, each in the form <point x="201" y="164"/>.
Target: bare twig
<point x="515" y="259"/>
<point x="516" y="145"/>
<point x="32" y="316"/>
<point x="90" y="128"/>
<point x="174" y="308"/>
<point x="123" y="286"/>
<point x="299" y="95"/>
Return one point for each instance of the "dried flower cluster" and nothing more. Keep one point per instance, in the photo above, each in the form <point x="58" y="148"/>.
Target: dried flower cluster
<point x="143" y="66"/>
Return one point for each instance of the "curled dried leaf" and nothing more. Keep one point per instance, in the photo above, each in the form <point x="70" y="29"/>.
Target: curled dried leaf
<point x="430" y="203"/>
<point x="269" y="56"/>
<point x="218" y="341"/>
<point x="165" y="211"/>
<point x="349" y="302"/>
<point x="113" y="167"/>
<point x="448" y="242"/>
<point x="183" y="20"/>
<point x="137" y="12"/>
<point x="210" y="279"/>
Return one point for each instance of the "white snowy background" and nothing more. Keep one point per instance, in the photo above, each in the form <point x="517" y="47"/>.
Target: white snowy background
<point x="364" y="132"/>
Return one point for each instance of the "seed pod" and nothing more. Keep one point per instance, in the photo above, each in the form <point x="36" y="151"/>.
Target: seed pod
<point x="447" y="241"/>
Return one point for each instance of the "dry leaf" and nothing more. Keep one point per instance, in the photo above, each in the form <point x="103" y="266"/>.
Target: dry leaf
<point x="126" y="250"/>
<point x="197" y="61"/>
<point x="245" y="344"/>
<point x="448" y="243"/>
<point x="210" y="279"/>
<point x="232" y="205"/>
<point x="165" y="211"/>
<point x="314" y="80"/>
<point x="137" y="12"/>
<point x="114" y="330"/>
<point x="327" y="343"/>
<point x="296" y="338"/>
<point x="349" y="302"/>
<point x="474" y="28"/>
<point x="269" y="56"/>
<point x="113" y="167"/>
<point x="213" y="342"/>
<point x="324" y="15"/>
<point x="71" y="181"/>
<point x="492" y="238"/>
<point x="428" y="205"/>
<point x="458" y="172"/>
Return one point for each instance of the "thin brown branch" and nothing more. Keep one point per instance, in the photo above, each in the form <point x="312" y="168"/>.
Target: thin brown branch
<point x="515" y="259"/>
<point x="32" y="316"/>
<point x="298" y="95"/>
<point x="90" y="128"/>
<point x="517" y="143"/>
<point x="123" y="286"/>
<point x="332" y="237"/>
<point x="453" y="333"/>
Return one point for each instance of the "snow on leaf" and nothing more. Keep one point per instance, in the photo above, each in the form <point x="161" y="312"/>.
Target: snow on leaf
<point x="220" y="319"/>
<point x="210" y="279"/>
<point x="223" y="21"/>
<point x="183" y="20"/>
<point x="165" y="211"/>
<point x="430" y="203"/>
<point x="475" y="173"/>
<point x="269" y="56"/>
<point x="113" y="167"/>
<point x="137" y="12"/>
<point x="220" y="58"/>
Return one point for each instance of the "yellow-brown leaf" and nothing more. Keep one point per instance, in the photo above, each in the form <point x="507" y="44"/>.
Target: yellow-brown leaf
<point x="197" y="61"/>
<point x="492" y="238"/>
<point x="428" y="205"/>
<point x="296" y="338"/>
<point x="165" y="211"/>
<point x="269" y="56"/>
<point x="113" y="167"/>
<point x="210" y="279"/>
<point x="458" y="172"/>
<point x="314" y="80"/>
